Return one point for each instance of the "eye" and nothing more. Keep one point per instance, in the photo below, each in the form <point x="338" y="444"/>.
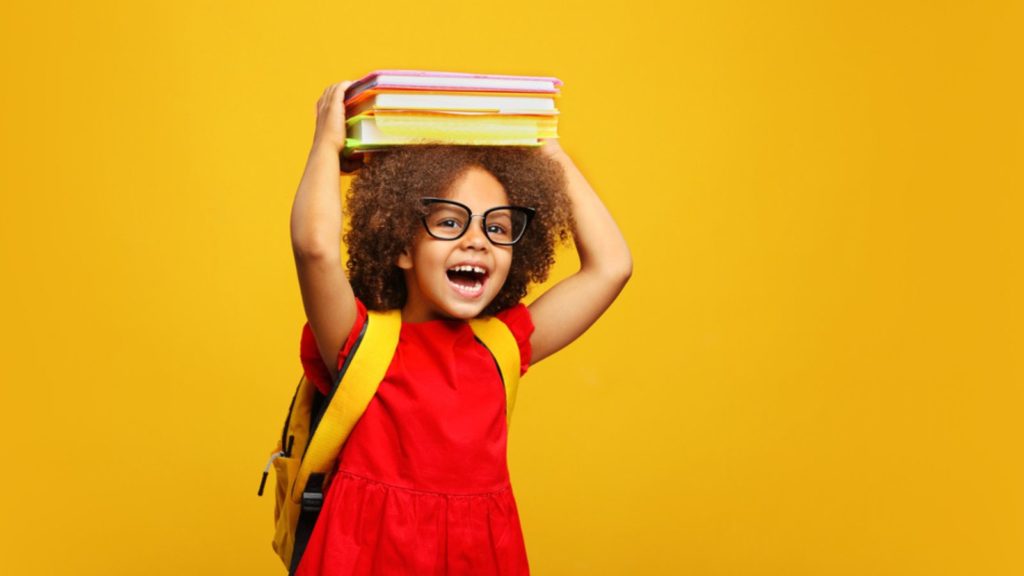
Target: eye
<point x="448" y="223"/>
<point x="499" y="225"/>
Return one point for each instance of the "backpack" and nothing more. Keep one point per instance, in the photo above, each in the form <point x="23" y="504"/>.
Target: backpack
<point x="316" y="425"/>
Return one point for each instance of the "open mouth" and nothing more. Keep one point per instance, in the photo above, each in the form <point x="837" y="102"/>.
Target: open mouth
<point x="467" y="279"/>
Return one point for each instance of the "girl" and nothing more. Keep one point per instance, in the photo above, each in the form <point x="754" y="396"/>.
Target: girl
<point x="422" y="484"/>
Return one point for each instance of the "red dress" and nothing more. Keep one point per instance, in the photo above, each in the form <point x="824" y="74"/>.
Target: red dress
<point x="422" y="484"/>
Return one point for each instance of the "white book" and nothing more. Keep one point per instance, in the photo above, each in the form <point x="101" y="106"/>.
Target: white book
<point x="366" y="132"/>
<point x="492" y="104"/>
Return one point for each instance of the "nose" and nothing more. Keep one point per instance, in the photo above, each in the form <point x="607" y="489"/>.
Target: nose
<point x="474" y="238"/>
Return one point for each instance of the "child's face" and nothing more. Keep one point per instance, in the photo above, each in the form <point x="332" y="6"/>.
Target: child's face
<point x="435" y="291"/>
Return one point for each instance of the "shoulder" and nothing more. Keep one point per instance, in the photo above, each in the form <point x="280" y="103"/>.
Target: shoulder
<point x="309" y="353"/>
<point x="520" y="323"/>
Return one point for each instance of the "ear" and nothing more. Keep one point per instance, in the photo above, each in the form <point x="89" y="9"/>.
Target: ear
<point x="404" y="260"/>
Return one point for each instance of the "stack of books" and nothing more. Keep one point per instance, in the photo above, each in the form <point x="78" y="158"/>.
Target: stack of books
<point x="407" y="107"/>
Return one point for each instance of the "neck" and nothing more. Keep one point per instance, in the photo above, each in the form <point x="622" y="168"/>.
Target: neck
<point x="416" y="310"/>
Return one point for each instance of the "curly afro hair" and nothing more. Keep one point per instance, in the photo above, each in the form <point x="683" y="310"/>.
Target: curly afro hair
<point x="385" y="214"/>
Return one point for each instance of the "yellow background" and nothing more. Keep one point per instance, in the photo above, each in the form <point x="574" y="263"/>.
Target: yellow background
<point x="816" y="368"/>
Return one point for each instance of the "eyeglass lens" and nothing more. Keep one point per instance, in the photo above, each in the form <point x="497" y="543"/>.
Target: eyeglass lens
<point x="502" y="226"/>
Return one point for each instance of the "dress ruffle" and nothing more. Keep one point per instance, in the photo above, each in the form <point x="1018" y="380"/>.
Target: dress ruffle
<point x="379" y="529"/>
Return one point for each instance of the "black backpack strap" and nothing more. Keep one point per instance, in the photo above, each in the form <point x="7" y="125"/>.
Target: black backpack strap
<point x="312" y="502"/>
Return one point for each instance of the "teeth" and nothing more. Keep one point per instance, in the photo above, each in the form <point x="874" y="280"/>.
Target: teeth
<point x="467" y="268"/>
<point x="469" y="290"/>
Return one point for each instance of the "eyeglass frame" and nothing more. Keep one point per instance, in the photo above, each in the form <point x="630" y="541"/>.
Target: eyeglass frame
<point x="427" y="201"/>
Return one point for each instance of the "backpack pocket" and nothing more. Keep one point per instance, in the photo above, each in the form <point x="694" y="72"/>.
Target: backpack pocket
<point x="286" y="511"/>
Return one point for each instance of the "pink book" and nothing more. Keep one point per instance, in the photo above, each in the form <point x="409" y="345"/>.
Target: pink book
<point x="453" y="81"/>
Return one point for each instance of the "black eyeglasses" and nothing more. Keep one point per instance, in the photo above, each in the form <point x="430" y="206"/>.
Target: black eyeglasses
<point x="449" y="220"/>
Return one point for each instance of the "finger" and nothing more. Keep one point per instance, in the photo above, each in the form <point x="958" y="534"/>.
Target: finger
<point x="337" y="93"/>
<point x="343" y="87"/>
<point x="336" y="96"/>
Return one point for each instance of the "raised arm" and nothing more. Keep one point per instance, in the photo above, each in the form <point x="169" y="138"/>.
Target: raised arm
<point x="316" y="232"/>
<point x="568" y="308"/>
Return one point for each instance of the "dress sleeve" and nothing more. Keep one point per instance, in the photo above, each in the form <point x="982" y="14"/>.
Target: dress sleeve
<point x="313" y="365"/>
<point x="518" y="320"/>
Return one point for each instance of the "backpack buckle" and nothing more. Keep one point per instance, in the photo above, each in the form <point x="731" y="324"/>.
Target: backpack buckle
<point x="312" y="501"/>
<point x="313" y="495"/>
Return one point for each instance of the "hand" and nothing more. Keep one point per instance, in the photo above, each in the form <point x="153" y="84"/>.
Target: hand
<point x="330" y="117"/>
<point x="552" y="148"/>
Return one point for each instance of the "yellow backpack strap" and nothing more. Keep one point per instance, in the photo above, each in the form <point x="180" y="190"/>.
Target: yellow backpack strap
<point x="498" y="338"/>
<point x="365" y="367"/>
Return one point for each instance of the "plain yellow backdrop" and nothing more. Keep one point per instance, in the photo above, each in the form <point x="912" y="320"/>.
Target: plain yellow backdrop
<point x="815" y="370"/>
